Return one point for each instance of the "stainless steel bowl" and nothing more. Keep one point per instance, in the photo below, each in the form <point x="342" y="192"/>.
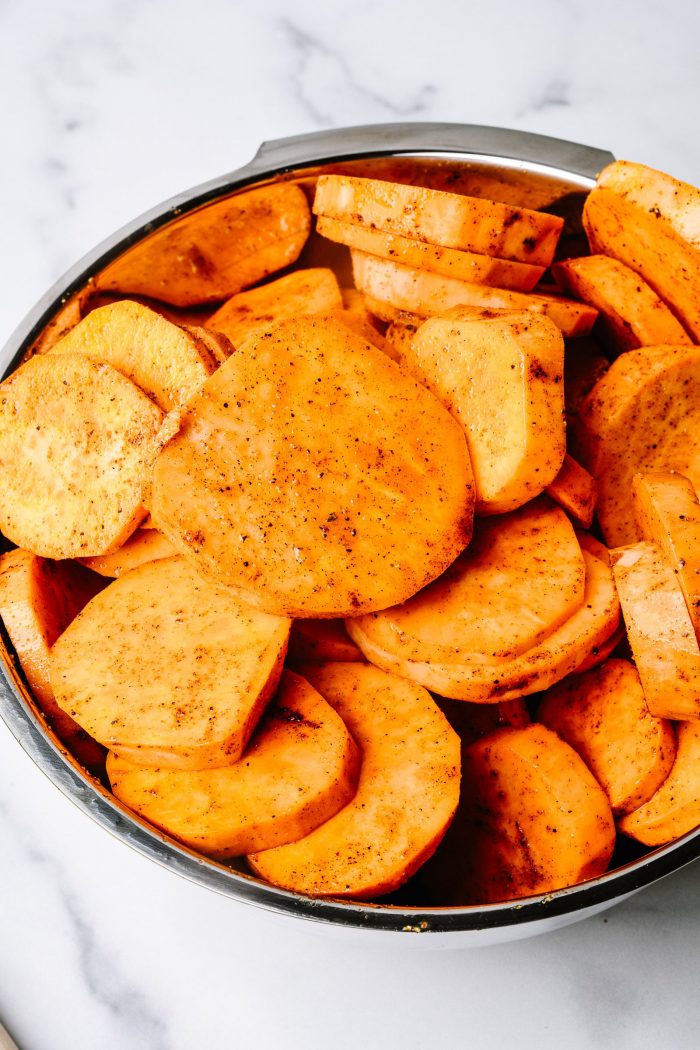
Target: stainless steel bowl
<point x="513" y="166"/>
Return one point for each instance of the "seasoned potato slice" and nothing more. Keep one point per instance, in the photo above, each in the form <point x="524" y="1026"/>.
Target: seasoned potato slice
<point x="321" y="641"/>
<point x="481" y="680"/>
<point x="215" y="252"/>
<point x="521" y="577"/>
<point x="424" y="293"/>
<point x="667" y="512"/>
<point x="38" y="599"/>
<point x="217" y="344"/>
<point x="144" y="545"/>
<point x="664" y="197"/>
<point x="501" y="376"/>
<point x="406" y="796"/>
<point x="313" y="291"/>
<point x="77" y="445"/>
<point x="399" y="335"/>
<point x="600" y="653"/>
<point x="630" y="313"/>
<point x="675" y="808"/>
<point x="165" y="361"/>
<point x="642" y="415"/>
<point x="168" y="670"/>
<point x="603" y="715"/>
<point x="301" y="768"/>
<point x="637" y="238"/>
<point x="465" y="266"/>
<point x="452" y="220"/>
<point x="659" y="630"/>
<point x="351" y="495"/>
<point x="575" y="490"/>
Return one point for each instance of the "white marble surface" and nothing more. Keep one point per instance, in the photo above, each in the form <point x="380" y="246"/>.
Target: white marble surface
<point x="105" y="109"/>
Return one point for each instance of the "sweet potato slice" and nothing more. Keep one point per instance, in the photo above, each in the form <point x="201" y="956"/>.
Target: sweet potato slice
<point x="165" y="361"/>
<point x="77" y="445"/>
<point x="144" y="545"/>
<point x="352" y="495"/>
<point x="38" y="599"/>
<point x="664" y="197"/>
<point x="313" y="291"/>
<point x="575" y="490"/>
<point x="362" y="327"/>
<point x="385" y="313"/>
<point x="452" y="220"/>
<point x="640" y="240"/>
<point x="531" y="819"/>
<point x="659" y="630"/>
<point x="485" y="681"/>
<point x="593" y="546"/>
<point x="465" y="266"/>
<point x="399" y="335"/>
<point x="321" y="641"/>
<point x="406" y="795"/>
<point x="667" y="511"/>
<point x="218" y="345"/>
<point x="501" y="376"/>
<point x="642" y="415"/>
<point x="424" y="293"/>
<point x="300" y="768"/>
<point x="216" y="251"/>
<point x="630" y="313"/>
<point x="168" y="670"/>
<point x="675" y="808"/>
<point x="603" y="715"/>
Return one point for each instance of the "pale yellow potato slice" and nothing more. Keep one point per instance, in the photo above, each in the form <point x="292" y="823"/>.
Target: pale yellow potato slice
<point x="424" y="293"/>
<point x="465" y="266"/>
<point x="483" y="680"/>
<point x="315" y="476"/>
<point x="300" y="768"/>
<point x="675" y="808"/>
<point x="660" y="631"/>
<point x="165" y="361"/>
<point x="603" y="715"/>
<point x="667" y="512"/>
<point x="313" y="291"/>
<point x="664" y="197"/>
<point x="77" y="446"/>
<point x="406" y="795"/>
<point x="168" y="670"/>
<point x="144" y="545"/>
<point x="502" y="377"/>
<point x="642" y="415"/>
<point x="216" y="251"/>
<point x="452" y="220"/>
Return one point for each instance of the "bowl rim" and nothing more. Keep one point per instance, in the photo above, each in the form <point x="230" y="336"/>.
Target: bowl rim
<point x="501" y="147"/>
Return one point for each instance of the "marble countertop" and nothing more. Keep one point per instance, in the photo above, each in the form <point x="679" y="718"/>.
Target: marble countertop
<point x="107" y="108"/>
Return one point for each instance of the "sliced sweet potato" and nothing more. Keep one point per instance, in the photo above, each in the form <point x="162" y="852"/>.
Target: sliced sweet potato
<point x="603" y="715"/>
<point x="465" y="266"/>
<point x="77" y="445"/>
<point x="452" y="220"/>
<point x="665" y="198"/>
<point x="300" y="768"/>
<point x="667" y="512"/>
<point x="216" y="251"/>
<point x="575" y="490"/>
<point x="313" y="291"/>
<point x="362" y="327"/>
<point x="642" y="415"/>
<point x="168" y="670"/>
<point x="639" y="239"/>
<point x="66" y="317"/>
<point x="354" y="302"/>
<point x="424" y="293"/>
<point x="600" y="653"/>
<point x="217" y="344"/>
<point x="675" y="808"/>
<point x="593" y="546"/>
<point x="351" y="495"/>
<point x="399" y="335"/>
<point x="406" y="795"/>
<point x="482" y="681"/>
<point x="321" y="641"/>
<point x="144" y="545"/>
<point x="38" y="599"/>
<point x="501" y="376"/>
<point x="165" y="361"/>
<point x="630" y="313"/>
<point x="385" y="313"/>
<point x="660" y="631"/>
<point x="532" y="819"/>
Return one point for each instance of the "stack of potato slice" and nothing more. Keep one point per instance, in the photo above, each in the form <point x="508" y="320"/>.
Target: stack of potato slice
<point x="318" y="506"/>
